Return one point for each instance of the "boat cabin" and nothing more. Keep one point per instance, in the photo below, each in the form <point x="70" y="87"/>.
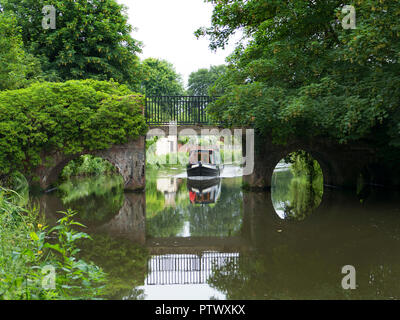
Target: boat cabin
<point x="204" y="161"/>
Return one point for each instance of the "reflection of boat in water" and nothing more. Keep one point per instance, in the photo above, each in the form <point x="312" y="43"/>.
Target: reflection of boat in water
<point x="204" y="162"/>
<point x="206" y="191"/>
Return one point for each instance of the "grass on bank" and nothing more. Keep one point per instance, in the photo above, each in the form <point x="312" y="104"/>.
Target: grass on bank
<point x="29" y="250"/>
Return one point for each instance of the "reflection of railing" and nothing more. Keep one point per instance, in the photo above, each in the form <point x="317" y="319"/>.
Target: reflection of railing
<point x="186" y="268"/>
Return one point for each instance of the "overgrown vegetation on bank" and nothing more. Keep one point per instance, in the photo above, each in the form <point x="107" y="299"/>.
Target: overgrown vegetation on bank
<point x="30" y="251"/>
<point x="88" y="165"/>
<point x="72" y="117"/>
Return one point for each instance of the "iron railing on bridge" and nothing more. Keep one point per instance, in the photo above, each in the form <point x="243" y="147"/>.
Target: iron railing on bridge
<point x="181" y="110"/>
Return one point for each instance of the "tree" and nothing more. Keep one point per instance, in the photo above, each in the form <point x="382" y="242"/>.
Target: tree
<point x="160" y="78"/>
<point x="302" y="74"/>
<point x="91" y="40"/>
<point x="201" y="81"/>
<point x="16" y="66"/>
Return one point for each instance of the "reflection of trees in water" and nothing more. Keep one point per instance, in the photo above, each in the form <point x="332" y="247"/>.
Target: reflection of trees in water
<point x="96" y="199"/>
<point x="298" y="191"/>
<point x="275" y="275"/>
<point x="124" y="262"/>
<point x="162" y="220"/>
<point x="287" y="272"/>
<point x="155" y="199"/>
<point x="303" y="198"/>
<point x="166" y="223"/>
<point x="223" y="219"/>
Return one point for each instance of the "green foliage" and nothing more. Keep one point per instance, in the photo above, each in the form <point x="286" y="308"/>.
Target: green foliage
<point x="166" y="223"/>
<point x="97" y="199"/>
<point x="178" y="159"/>
<point x="124" y="262"/>
<point x="181" y="159"/>
<point x="302" y="74"/>
<point x="235" y="156"/>
<point x="155" y="199"/>
<point x="183" y="140"/>
<point x="303" y="198"/>
<point x="27" y="247"/>
<point x="88" y="165"/>
<point x="298" y="192"/>
<point x="76" y="278"/>
<point x="151" y="141"/>
<point x="16" y="66"/>
<point x="161" y="79"/>
<point x="18" y="183"/>
<point x="71" y="117"/>
<point x="304" y="165"/>
<point x="91" y="40"/>
<point x="201" y="81"/>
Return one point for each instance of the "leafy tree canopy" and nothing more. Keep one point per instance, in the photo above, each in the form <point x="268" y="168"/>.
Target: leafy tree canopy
<point x="301" y="73"/>
<point x="72" y="117"/>
<point x="16" y="66"/>
<point x="201" y="81"/>
<point x="160" y="78"/>
<point x="91" y="40"/>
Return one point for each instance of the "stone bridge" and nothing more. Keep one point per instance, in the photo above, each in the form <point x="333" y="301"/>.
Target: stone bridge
<point x="342" y="165"/>
<point x="128" y="158"/>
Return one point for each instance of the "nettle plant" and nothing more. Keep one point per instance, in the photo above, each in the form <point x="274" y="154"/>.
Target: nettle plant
<point x="41" y="263"/>
<point x="73" y="277"/>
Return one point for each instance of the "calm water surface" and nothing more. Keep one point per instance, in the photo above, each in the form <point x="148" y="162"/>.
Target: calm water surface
<point x="212" y="240"/>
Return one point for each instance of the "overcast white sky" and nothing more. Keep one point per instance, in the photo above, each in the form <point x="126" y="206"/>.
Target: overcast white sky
<point x="166" y="28"/>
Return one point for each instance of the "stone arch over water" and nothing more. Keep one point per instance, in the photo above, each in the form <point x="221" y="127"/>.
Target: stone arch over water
<point x="297" y="186"/>
<point x="340" y="164"/>
<point x="129" y="159"/>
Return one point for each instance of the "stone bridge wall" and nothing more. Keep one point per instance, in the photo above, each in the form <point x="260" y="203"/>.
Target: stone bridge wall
<point x="341" y="164"/>
<point x="130" y="222"/>
<point x="129" y="159"/>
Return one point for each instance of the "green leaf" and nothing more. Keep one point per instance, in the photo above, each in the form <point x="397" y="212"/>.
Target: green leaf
<point x="34" y="236"/>
<point x="54" y="247"/>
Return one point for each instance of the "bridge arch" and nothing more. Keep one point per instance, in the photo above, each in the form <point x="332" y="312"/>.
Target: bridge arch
<point x="57" y="170"/>
<point x="330" y="171"/>
<point x="129" y="159"/>
<point x="340" y="164"/>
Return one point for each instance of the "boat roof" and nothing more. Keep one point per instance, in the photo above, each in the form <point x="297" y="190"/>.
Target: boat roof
<point x="204" y="148"/>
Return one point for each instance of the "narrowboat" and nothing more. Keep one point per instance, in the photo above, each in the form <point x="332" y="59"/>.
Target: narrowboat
<point x="204" y="162"/>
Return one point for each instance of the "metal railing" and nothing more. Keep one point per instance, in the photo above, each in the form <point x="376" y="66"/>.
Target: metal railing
<point x="182" y="110"/>
<point x="186" y="268"/>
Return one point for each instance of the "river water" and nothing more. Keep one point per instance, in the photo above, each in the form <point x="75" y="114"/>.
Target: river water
<point x="210" y="239"/>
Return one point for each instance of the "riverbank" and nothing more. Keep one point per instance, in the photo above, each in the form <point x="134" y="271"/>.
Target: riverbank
<point x="38" y="262"/>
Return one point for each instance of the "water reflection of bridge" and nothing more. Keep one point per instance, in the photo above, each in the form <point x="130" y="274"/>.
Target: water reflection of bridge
<point x="186" y="268"/>
<point x="195" y="245"/>
<point x="190" y="260"/>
